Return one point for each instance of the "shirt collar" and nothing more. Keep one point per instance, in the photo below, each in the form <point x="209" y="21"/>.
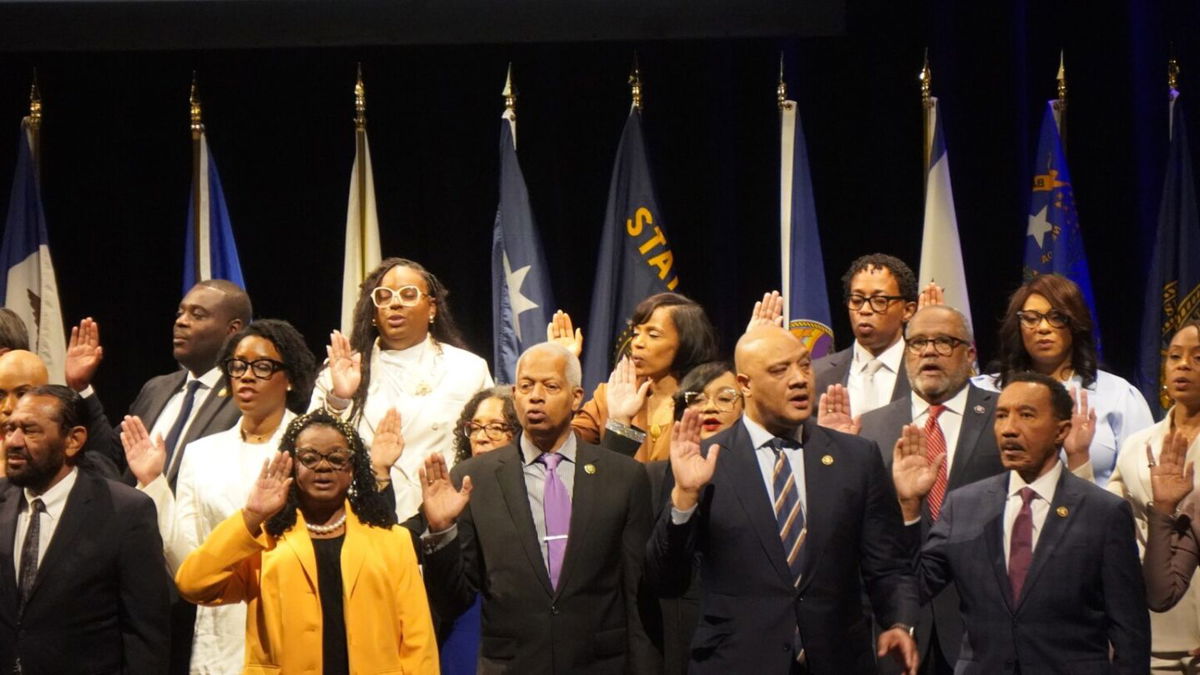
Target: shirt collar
<point x="54" y="499"/>
<point x="530" y="452"/>
<point x="208" y="379"/>
<point x="759" y="435"/>
<point x="955" y="404"/>
<point x="1045" y="484"/>
<point x="892" y="357"/>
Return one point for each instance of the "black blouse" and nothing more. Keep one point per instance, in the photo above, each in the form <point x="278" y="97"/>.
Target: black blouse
<point x="336" y="659"/>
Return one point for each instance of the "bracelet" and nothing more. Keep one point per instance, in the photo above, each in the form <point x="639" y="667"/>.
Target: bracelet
<point x="630" y="432"/>
<point x="336" y="404"/>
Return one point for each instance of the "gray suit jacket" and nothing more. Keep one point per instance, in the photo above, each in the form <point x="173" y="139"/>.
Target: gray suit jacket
<point x="835" y="369"/>
<point x="975" y="457"/>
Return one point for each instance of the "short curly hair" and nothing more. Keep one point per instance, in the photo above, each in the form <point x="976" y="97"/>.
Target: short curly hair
<point x="462" y="444"/>
<point x="370" y="505"/>
<point x="905" y="279"/>
<point x="299" y="364"/>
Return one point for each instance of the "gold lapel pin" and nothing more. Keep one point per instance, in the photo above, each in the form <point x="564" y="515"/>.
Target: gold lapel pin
<point x="979" y="410"/>
<point x="827" y="460"/>
<point x="1062" y="511"/>
<point x="223" y="393"/>
<point x="589" y="469"/>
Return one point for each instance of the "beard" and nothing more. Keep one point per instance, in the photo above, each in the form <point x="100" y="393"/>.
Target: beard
<point x="36" y="474"/>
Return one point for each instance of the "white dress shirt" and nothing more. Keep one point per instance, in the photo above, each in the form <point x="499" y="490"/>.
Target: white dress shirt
<point x="170" y="412"/>
<point x="1045" y="486"/>
<point x="55" y="500"/>
<point x="950" y="420"/>
<point x="892" y="360"/>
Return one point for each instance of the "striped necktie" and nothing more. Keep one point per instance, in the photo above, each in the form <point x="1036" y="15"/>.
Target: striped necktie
<point x="936" y="445"/>
<point x="788" y="511"/>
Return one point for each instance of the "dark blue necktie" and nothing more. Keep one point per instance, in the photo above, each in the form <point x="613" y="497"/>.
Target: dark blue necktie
<point x="189" y="398"/>
<point x="788" y="512"/>
<point x="29" y="555"/>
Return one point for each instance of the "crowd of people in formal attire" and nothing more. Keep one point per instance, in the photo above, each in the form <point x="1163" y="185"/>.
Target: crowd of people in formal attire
<point x="888" y="508"/>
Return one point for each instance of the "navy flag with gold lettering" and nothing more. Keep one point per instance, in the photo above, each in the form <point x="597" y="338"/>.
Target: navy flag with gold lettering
<point x="635" y="256"/>
<point x="1173" y="285"/>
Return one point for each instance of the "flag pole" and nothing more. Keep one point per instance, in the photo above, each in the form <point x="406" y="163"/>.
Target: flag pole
<point x="35" y="122"/>
<point x="510" y="103"/>
<point x="781" y="88"/>
<point x="360" y="153"/>
<point x="197" y="125"/>
<point x="925" y="77"/>
<point x="1060" y="105"/>
<point x="635" y="84"/>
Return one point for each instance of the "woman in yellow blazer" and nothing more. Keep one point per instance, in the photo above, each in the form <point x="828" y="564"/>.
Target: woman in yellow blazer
<point x="331" y="581"/>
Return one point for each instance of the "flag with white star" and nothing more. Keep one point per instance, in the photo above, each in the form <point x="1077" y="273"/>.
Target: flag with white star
<point x="1054" y="241"/>
<point x="522" y="301"/>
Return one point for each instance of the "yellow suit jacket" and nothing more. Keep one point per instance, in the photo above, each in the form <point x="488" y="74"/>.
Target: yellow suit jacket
<point x="388" y="625"/>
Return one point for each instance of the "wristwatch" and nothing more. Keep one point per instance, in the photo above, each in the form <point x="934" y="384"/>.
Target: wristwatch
<point x="904" y="627"/>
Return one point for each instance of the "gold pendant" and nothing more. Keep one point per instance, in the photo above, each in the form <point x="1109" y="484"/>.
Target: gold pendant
<point x="423" y="389"/>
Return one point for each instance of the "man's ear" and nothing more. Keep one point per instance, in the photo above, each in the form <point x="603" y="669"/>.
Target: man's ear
<point x="234" y="326"/>
<point x="76" y="437"/>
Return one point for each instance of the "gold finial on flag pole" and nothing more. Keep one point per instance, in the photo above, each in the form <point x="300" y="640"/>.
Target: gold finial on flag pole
<point x="194" y="106"/>
<point x="635" y="84"/>
<point x="360" y="101"/>
<point x="1173" y="73"/>
<point x="509" y="93"/>
<point x="35" y="104"/>
<point x="1062" y="80"/>
<point x="925" y="77"/>
<point x="781" y="88"/>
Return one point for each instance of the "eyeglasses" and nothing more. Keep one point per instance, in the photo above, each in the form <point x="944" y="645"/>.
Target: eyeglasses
<point x="311" y="459"/>
<point x="1032" y="319"/>
<point x="724" y="400"/>
<point x="409" y="296"/>
<point x="943" y="345"/>
<point x="494" y="431"/>
<point x="879" y="303"/>
<point x="263" y="369"/>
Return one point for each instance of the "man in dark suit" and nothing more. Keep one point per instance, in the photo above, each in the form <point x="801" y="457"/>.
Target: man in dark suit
<point x="881" y="295"/>
<point x="957" y="417"/>
<point x="782" y="585"/>
<point x="83" y="583"/>
<point x="551" y="532"/>
<point x="181" y="406"/>
<point x="1045" y="562"/>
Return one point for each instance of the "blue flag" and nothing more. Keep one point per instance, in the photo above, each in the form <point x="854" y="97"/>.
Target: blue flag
<point x="1173" y="285"/>
<point x="217" y="257"/>
<point x="1054" y="242"/>
<point x="27" y="282"/>
<point x="806" y="312"/>
<point x="635" y="258"/>
<point x="521" y="295"/>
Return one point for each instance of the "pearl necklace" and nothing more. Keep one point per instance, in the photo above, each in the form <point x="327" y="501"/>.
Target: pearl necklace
<point x="326" y="529"/>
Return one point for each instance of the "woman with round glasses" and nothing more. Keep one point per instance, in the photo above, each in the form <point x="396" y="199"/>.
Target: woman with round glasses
<point x="268" y="370"/>
<point x="670" y="334"/>
<point x="404" y="352"/>
<point x="1048" y="329"/>
<point x="712" y="389"/>
<point x="488" y="421"/>
<point x="330" y="581"/>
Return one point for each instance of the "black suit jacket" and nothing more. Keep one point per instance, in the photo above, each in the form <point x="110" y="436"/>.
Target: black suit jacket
<point x="590" y="623"/>
<point x="216" y="413"/>
<point x="749" y="610"/>
<point x="99" y="602"/>
<point x="1083" y="592"/>
<point x="835" y="369"/>
<point x="975" y="457"/>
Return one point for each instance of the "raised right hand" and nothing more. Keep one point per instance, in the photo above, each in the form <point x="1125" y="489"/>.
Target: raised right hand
<point x="766" y="312"/>
<point x="692" y="471"/>
<point x="1171" y="477"/>
<point x="623" y="394"/>
<point x="561" y="331"/>
<point x="269" y="493"/>
<point x="833" y="411"/>
<point x="345" y="365"/>
<point x="913" y="472"/>
<point x="145" y="456"/>
<point x="440" y="502"/>
<point x="931" y="295"/>
<point x="84" y="354"/>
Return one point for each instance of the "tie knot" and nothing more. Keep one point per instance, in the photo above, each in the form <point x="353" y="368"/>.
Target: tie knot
<point x="872" y="367"/>
<point x="192" y="386"/>
<point x="37" y="506"/>
<point x="779" y="444"/>
<point x="1028" y="495"/>
<point x="935" y="411"/>
<point x="550" y="459"/>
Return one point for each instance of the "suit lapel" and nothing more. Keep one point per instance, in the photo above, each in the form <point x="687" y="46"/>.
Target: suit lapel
<point x="10" y="503"/>
<point x="212" y="404"/>
<point x="583" y="501"/>
<point x="511" y="478"/>
<point x="819" y="491"/>
<point x="354" y="551"/>
<point x="66" y="534"/>
<point x="171" y="385"/>
<point x="1058" y="522"/>
<point x="993" y="535"/>
<point x="902" y="387"/>
<point x="975" y="419"/>
<point x="840" y="365"/>
<point x="296" y="540"/>
<point x="752" y="494"/>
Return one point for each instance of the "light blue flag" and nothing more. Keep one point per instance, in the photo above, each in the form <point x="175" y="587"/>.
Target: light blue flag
<point x="209" y="251"/>
<point x="521" y="294"/>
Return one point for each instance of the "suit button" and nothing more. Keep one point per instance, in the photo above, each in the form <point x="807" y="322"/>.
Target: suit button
<point x="787" y="647"/>
<point x="434" y="426"/>
<point x="554" y="610"/>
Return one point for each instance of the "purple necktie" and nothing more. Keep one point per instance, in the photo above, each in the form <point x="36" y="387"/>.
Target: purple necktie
<point x="556" y="504"/>
<point x="1020" y="547"/>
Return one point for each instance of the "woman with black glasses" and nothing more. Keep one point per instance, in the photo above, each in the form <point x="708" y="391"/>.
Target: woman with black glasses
<point x="268" y="370"/>
<point x="403" y="352"/>
<point x="1048" y="329"/>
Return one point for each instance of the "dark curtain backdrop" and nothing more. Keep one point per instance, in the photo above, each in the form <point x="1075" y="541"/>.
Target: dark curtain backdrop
<point x="116" y="159"/>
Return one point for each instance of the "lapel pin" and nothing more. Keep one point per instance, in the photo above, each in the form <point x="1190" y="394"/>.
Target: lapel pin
<point x="979" y="410"/>
<point x="827" y="460"/>
<point x="589" y="469"/>
<point x="1062" y="511"/>
<point x="223" y="393"/>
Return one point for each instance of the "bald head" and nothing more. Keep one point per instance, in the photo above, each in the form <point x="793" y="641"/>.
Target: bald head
<point x="759" y="339"/>
<point x="234" y="302"/>
<point x="774" y="372"/>
<point x="20" y="371"/>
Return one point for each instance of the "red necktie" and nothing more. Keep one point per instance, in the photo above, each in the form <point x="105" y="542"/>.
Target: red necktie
<point x="1020" y="548"/>
<point x="936" y="445"/>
